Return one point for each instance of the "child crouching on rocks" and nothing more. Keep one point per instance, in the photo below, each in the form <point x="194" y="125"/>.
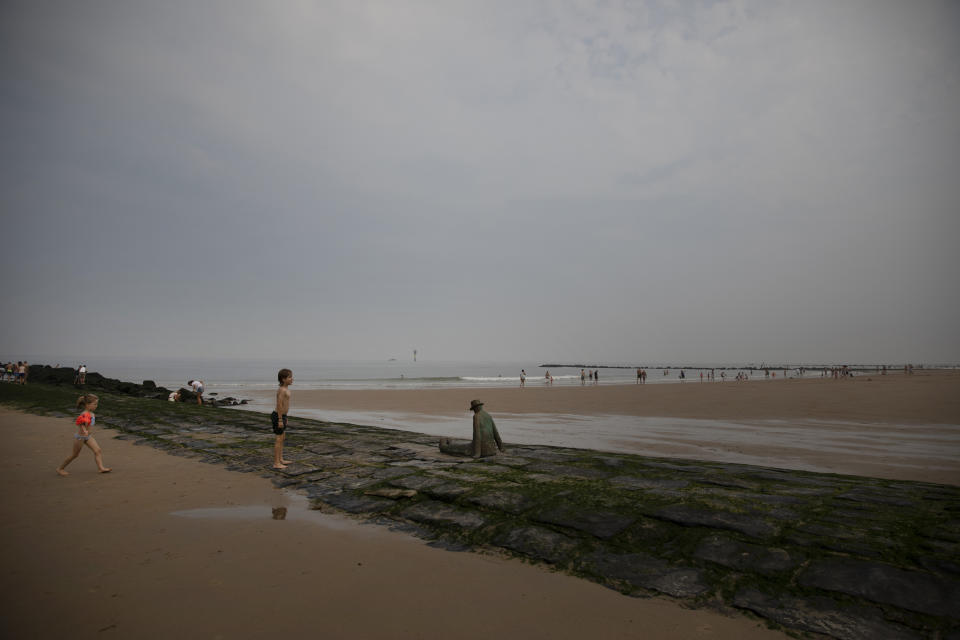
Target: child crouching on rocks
<point x="88" y="404"/>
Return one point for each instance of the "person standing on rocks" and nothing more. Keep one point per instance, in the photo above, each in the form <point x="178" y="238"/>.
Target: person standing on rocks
<point x="197" y="386"/>
<point x="486" y="438"/>
<point x="279" y="417"/>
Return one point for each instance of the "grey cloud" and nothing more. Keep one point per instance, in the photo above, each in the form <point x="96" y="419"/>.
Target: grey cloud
<point x="721" y="181"/>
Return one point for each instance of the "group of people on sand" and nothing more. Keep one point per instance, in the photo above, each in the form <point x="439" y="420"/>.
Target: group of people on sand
<point x="15" y="371"/>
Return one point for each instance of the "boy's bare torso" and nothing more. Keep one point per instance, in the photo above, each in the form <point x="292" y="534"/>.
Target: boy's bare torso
<point x="283" y="400"/>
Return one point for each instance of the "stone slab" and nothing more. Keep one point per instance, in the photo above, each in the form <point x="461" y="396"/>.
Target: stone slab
<point x="691" y="516"/>
<point x="438" y="513"/>
<point x="644" y="571"/>
<point x="822" y="615"/>
<point x="567" y="471"/>
<point x="644" y="484"/>
<point x="597" y="523"/>
<point x="539" y="543"/>
<point x="508" y="501"/>
<point x="911" y="590"/>
<point x="747" y="557"/>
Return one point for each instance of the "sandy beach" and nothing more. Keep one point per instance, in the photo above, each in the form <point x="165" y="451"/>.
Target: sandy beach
<point x="170" y="547"/>
<point x="894" y="426"/>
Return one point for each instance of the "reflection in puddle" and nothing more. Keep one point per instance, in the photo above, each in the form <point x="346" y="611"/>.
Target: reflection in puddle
<point x="286" y="506"/>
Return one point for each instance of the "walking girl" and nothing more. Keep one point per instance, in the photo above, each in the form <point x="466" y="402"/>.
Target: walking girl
<point x="85" y="421"/>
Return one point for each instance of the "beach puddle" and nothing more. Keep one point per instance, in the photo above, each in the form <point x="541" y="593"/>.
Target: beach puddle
<point x="289" y="506"/>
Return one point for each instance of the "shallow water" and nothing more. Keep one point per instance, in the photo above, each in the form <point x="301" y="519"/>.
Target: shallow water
<point x="916" y="452"/>
<point x="284" y="506"/>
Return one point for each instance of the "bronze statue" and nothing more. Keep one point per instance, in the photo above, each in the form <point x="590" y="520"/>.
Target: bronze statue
<point x="486" y="439"/>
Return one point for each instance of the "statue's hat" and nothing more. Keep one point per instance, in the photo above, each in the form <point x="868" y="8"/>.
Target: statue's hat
<point x="474" y="404"/>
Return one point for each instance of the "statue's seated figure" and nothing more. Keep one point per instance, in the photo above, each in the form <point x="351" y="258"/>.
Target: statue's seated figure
<point x="486" y="439"/>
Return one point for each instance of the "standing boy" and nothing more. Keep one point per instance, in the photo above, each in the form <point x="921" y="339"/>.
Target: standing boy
<point x="279" y="417"/>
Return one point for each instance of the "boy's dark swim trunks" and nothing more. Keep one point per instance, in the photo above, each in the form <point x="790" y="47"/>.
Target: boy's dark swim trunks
<point x="275" y="419"/>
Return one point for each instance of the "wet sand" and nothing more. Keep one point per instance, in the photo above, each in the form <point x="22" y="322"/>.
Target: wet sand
<point x="894" y="426"/>
<point x="118" y="555"/>
<point x="923" y="398"/>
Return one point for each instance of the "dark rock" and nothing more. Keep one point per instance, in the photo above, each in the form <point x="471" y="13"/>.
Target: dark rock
<point x="446" y="491"/>
<point x="357" y="504"/>
<point x="643" y="571"/>
<point x="510" y="460"/>
<point x="643" y="484"/>
<point x="566" y="471"/>
<point x="437" y="513"/>
<point x="596" y="523"/>
<point x="746" y="557"/>
<point x="297" y="469"/>
<point x="503" y="501"/>
<point x="539" y="543"/>
<point x="912" y="590"/>
<point x="690" y="516"/>
<point x="418" y="483"/>
<point x="325" y="449"/>
<point x="822" y="615"/>
<point x="865" y="494"/>
<point x="447" y="545"/>
<point x="391" y="472"/>
<point x="149" y="384"/>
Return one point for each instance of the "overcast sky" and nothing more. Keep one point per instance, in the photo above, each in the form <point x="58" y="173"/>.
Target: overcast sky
<point x="602" y="181"/>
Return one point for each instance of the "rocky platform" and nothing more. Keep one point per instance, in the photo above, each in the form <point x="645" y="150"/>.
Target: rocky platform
<point x="818" y="555"/>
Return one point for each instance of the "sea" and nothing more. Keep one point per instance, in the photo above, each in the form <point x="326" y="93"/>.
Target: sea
<point x="232" y="377"/>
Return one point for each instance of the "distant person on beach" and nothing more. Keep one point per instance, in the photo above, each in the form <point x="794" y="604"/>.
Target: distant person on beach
<point x="583" y="378"/>
<point x="596" y="376"/>
<point x="279" y="417"/>
<point x="486" y="438"/>
<point x="546" y="377"/>
<point x="197" y="386"/>
<point x="85" y="421"/>
<point x="523" y="377"/>
<point x="83" y="374"/>
<point x="638" y="375"/>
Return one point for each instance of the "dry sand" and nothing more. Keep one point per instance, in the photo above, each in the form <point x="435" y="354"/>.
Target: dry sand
<point x="894" y="426"/>
<point x="101" y="556"/>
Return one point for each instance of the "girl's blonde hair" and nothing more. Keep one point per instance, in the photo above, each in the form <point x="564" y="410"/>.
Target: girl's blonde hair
<point x="85" y="400"/>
